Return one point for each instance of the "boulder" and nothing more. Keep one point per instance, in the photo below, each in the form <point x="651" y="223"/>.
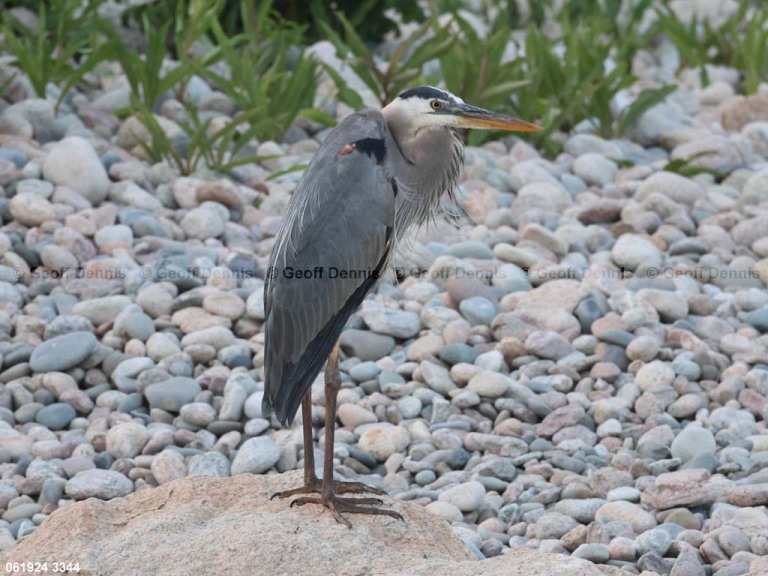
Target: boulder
<point x="210" y="526"/>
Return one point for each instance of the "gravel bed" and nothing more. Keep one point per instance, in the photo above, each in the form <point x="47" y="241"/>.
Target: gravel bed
<point x="580" y="365"/>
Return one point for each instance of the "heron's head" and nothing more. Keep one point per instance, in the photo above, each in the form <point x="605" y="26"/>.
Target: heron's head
<point x="429" y="107"/>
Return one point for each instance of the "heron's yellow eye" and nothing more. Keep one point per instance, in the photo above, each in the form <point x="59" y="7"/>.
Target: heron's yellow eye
<point x="435" y="104"/>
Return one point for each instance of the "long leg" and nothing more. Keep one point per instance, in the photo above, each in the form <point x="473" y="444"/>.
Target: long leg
<point x="312" y="483"/>
<point x="328" y="493"/>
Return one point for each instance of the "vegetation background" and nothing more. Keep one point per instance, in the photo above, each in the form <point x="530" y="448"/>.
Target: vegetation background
<point x="566" y="64"/>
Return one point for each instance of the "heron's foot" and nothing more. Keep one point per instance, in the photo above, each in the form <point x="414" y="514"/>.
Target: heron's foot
<point x="314" y="486"/>
<point x="339" y="506"/>
<point x="356" y="488"/>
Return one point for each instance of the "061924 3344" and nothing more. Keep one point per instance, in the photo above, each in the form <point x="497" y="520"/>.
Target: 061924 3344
<point x="42" y="567"/>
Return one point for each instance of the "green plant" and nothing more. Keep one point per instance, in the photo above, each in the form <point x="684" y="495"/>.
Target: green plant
<point x="6" y="82"/>
<point x="264" y="72"/>
<point x="403" y="68"/>
<point x="370" y="18"/>
<point x="689" y="167"/>
<point x="219" y="149"/>
<point x="751" y="51"/>
<point x="571" y="77"/>
<point x="740" y="42"/>
<point x="474" y="69"/>
<point x="148" y="74"/>
<point x="66" y="36"/>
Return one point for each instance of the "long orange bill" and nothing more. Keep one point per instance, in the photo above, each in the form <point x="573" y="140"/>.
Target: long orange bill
<point x="474" y="117"/>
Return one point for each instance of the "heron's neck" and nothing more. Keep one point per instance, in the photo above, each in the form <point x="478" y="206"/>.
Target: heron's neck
<point x="429" y="159"/>
<point x="425" y="165"/>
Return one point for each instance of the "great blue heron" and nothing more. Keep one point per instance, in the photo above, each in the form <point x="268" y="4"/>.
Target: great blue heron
<point x="376" y="174"/>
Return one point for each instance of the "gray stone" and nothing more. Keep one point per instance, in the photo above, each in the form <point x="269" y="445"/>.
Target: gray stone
<point x="167" y="466"/>
<point x="101" y="310"/>
<point x="383" y="439"/>
<point x="471" y="249"/>
<point x="758" y="319"/>
<point x="595" y="169"/>
<point x="553" y="525"/>
<point x="489" y="384"/>
<point x="198" y="413"/>
<point x="234" y="399"/>
<point x="38" y="112"/>
<point x="390" y="322"/>
<point x="661" y="119"/>
<point x="670" y="305"/>
<point x="209" y="464"/>
<point x="353" y="415"/>
<point x="252" y="406"/>
<point x="364" y="371"/>
<point x="732" y="541"/>
<point x="631" y="252"/>
<point x="688" y="562"/>
<point x="580" y="510"/>
<point x="52" y="491"/>
<point x="692" y="441"/>
<point x="172" y="394"/>
<point x="137" y="325"/>
<point x="595" y="552"/>
<point x="19" y="159"/>
<point x="39" y="187"/>
<point x="25" y="510"/>
<point x="73" y="162"/>
<point x="126" y="440"/>
<point x="655" y="540"/>
<point x="632" y="514"/>
<point x="549" y="345"/>
<point x="62" y="352"/>
<point x="255" y="456"/>
<point x="478" y="311"/>
<point x="579" y="144"/>
<point x="655" y="377"/>
<point x="116" y="234"/>
<point x="366" y="345"/>
<point x="511" y="278"/>
<point x="66" y="323"/>
<point x="466" y="497"/>
<point x="652" y="562"/>
<point x="131" y="368"/>
<point x="675" y="187"/>
<point x="56" y="416"/>
<point x="97" y="483"/>
<point x="203" y="222"/>
<point x="437" y="377"/>
<point x="458" y="353"/>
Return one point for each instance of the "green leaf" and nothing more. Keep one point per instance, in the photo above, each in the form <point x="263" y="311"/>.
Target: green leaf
<point x="294" y="168"/>
<point x="504" y="89"/>
<point x="346" y="94"/>
<point x="688" y="167"/>
<point x="646" y="100"/>
<point x="318" y="116"/>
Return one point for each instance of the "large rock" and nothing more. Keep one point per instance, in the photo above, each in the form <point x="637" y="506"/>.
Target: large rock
<point x="236" y="529"/>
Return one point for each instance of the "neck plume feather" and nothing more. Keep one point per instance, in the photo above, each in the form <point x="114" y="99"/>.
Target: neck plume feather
<point x="425" y="166"/>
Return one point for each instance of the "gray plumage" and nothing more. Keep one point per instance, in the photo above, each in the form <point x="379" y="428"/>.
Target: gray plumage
<point x="340" y="217"/>
<point x="377" y="174"/>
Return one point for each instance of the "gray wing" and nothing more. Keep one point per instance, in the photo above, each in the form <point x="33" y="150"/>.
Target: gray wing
<point x="338" y="223"/>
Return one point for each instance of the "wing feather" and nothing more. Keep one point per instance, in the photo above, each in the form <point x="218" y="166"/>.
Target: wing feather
<point x="339" y="218"/>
